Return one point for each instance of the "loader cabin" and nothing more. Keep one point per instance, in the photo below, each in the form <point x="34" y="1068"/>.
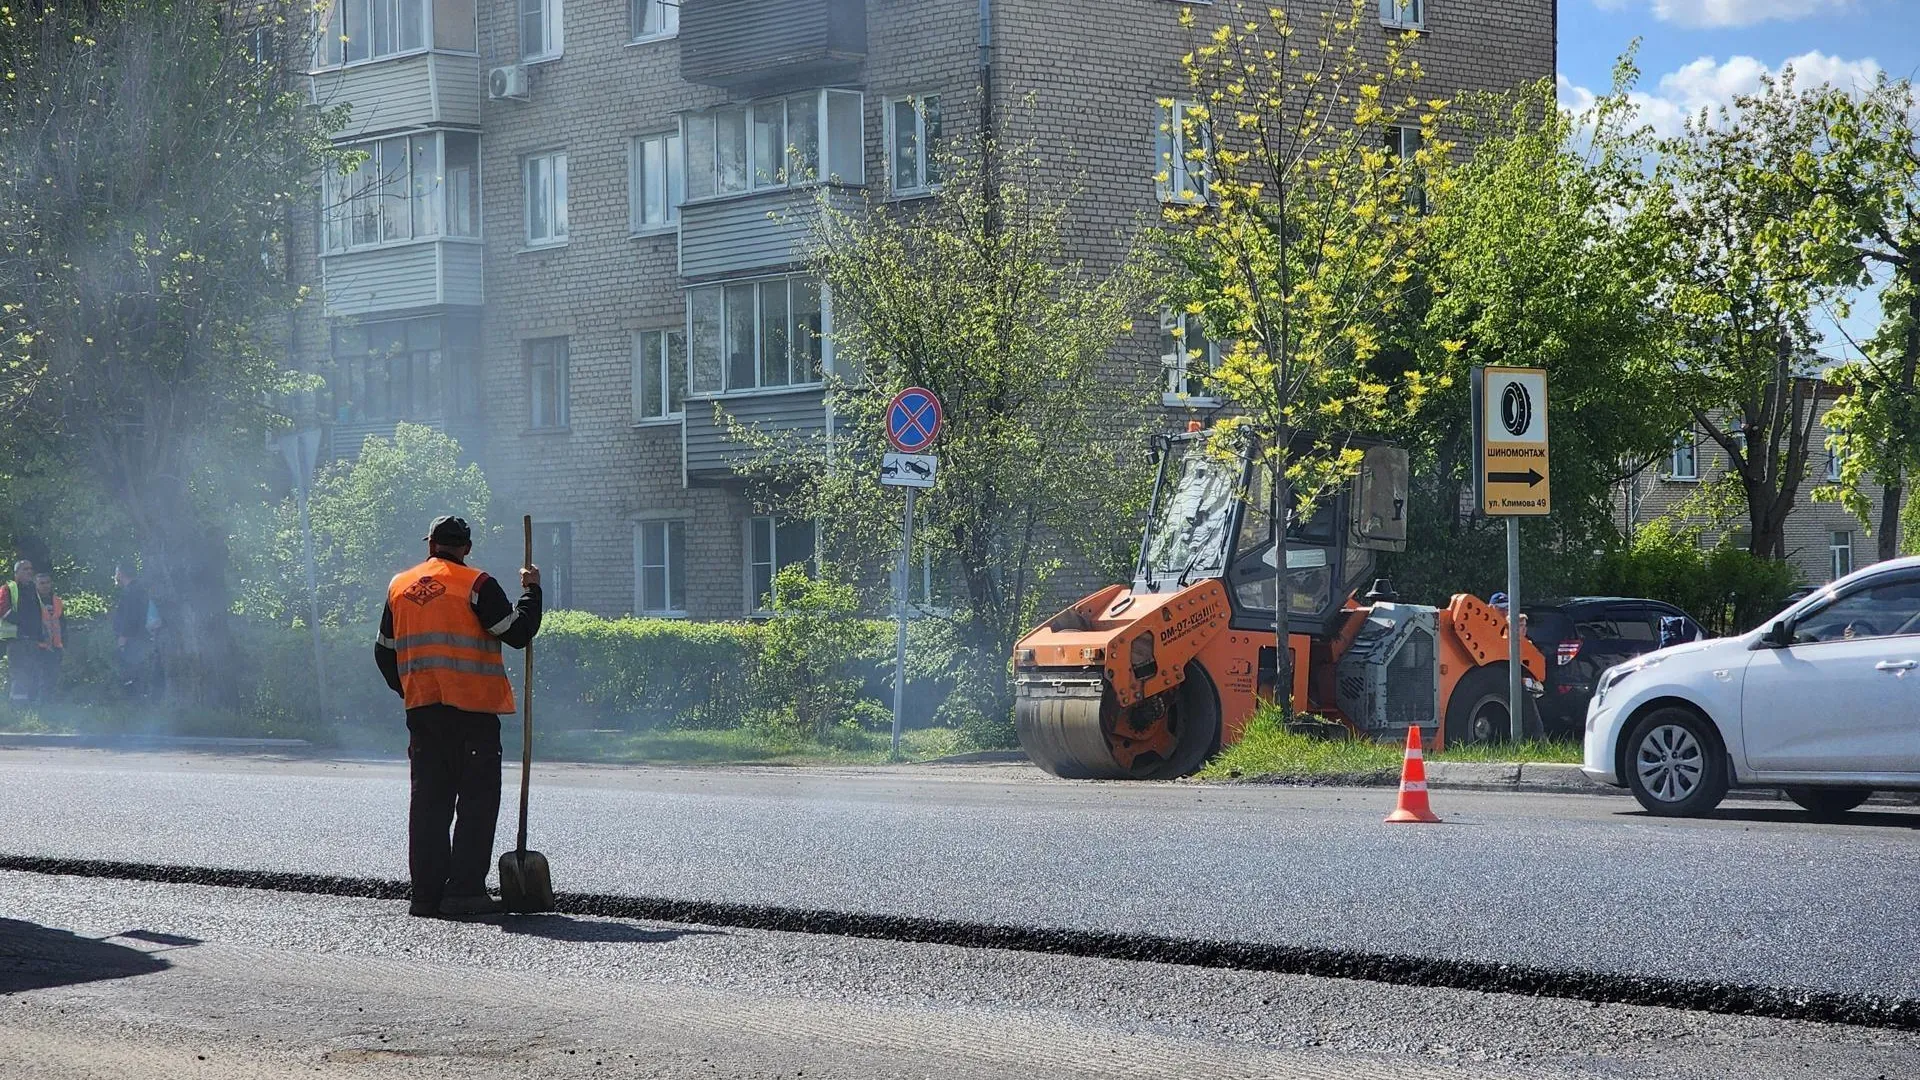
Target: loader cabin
<point x="1212" y="517"/>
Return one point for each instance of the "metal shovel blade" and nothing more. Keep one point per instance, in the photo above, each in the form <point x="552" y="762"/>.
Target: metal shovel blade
<point x="526" y="885"/>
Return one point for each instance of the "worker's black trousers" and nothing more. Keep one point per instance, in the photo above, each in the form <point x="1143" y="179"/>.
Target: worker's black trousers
<point x="456" y="785"/>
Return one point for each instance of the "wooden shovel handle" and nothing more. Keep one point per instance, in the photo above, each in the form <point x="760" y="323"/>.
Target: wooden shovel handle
<point x="526" y="706"/>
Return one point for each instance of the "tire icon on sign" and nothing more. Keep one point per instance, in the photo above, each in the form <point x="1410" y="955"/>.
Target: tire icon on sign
<point x="1516" y="409"/>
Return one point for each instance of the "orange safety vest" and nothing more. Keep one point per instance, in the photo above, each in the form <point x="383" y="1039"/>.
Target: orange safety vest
<point x="54" y="615"/>
<point x="446" y="657"/>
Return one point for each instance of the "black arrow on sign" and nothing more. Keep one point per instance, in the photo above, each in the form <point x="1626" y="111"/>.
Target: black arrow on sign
<point x="1529" y="478"/>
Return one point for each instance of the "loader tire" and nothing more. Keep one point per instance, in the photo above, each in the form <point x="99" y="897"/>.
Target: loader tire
<point x="1477" y="710"/>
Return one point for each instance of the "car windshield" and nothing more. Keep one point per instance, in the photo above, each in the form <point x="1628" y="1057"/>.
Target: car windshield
<point x="1192" y="519"/>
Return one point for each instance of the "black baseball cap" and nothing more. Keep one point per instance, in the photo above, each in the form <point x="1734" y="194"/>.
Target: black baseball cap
<point x="449" y="530"/>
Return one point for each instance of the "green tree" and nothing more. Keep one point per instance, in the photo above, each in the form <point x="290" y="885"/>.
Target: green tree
<point x="1541" y="259"/>
<point x="1861" y="174"/>
<point x="1303" y="165"/>
<point x="368" y="515"/>
<point x="153" y="167"/>
<point x="1741" y="292"/>
<point x="973" y="295"/>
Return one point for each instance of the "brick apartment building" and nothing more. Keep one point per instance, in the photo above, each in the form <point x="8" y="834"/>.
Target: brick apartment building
<point x="1824" y="540"/>
<point x="579" y="227"/>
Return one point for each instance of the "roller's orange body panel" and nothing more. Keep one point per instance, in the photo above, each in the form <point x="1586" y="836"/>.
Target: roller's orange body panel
<point x="1141" y="644"/>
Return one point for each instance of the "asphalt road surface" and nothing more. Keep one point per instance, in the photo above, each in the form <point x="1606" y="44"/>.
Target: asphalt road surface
<point x="1757" y="896"/>
<point x="103" y="980"/>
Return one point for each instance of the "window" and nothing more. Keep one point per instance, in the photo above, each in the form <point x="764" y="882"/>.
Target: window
<point x="1836" y="458"/>
<point x="1188" y="358"/>
<point x="546" y="176"/>
<point x="355" y="30"/>
<point x="651" y="19"/>
<point x="754" y="335"/>
<point x="264" y="49"/>
<point x="1685" y="462"/>
<point x="410" y="187"/>
<point x="403" y="369"/>
<point x="660" y="567"/>
<point x="547" y="383"/>
<point x="539" y="29"/>
<point x="1841" y="548"/>
<point x="913" y="140"/>
<point x="553" y="554"/>
<point x="656" y="182"/>
<point x="659" y="374"/>
<point x="1889" y="608"/>
<point x="1404" y="145"/>
<point x="1184" y="142"/>
<point x="776" y="143"/>
<point x="772" y="546"/>
<point x="1406" y="13"/>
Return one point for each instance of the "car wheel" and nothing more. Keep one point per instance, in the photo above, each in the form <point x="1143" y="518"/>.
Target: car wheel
<point x="1675" y="764"/>
<point x="1828" y="802"/>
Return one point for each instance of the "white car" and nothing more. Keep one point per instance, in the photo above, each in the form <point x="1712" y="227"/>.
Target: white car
<point x="1822" y="701"/>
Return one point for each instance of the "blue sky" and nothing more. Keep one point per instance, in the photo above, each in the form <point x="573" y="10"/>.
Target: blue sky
<point x="1696" y="53"/>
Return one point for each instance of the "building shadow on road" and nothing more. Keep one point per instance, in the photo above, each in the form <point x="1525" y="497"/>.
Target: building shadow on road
<point x="567" y="928"/>
<point x="34" y="957"/>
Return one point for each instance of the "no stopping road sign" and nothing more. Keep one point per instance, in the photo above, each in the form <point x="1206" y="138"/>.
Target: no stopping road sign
<point x="913" y="420"/>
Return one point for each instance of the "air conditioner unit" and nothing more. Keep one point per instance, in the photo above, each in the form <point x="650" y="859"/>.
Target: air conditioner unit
<point x="508" y="82"/>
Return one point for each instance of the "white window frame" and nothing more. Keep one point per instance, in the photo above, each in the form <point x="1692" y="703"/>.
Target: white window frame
<point x="556" y="581"/>
<point x="791" y="174"/>
<point x="770" y="525"/>
<point x="562" y="380"/>
<point x="665" y="16"/>
<point x="1175" y="359"/>
<point x="1840" y="553"/>
<point x="1398" y="137"/>
<point x="653" y="358"/>
<point x="725" y="389"/>
<point x="1689" y="440"/>
<point x="1836" y="459"/>
<point x="644" y="559"/>
<point x="641" y="183"/>
<point x="339" y="195"/>
<point x="926" y="179"/>
<point x="552" y="34"/>
<point x="555" y="164"/>
<point x="1174" y="171"/>
<point x="1404" y="14"/>
<point x="330" y="35"/>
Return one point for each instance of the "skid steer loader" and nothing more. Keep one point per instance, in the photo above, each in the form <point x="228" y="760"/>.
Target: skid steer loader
<point x="1147" y="681"/>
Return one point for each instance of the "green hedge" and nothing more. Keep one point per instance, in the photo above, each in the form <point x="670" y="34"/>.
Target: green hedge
<point x="590" y="672"/>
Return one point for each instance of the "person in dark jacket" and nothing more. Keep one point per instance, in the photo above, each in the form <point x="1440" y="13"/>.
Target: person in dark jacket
<point x="132" y="640"/>
<point x="439" y="649"/>
<point x="23" y="629"/>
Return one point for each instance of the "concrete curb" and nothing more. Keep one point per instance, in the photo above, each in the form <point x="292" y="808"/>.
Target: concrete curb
<point x="1534" y="777"/>
<point x="146" y="742"/>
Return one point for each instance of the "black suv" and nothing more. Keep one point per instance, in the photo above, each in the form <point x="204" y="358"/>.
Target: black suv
<point x="1584" y="636"/>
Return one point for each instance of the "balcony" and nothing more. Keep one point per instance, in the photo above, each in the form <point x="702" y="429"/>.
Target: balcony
<point x="421" y="90"/>
<point x="403" y="277"/>
<point x="711" y="454"/>
<point x="751" y="234"/>
<point x="769" y="45"/>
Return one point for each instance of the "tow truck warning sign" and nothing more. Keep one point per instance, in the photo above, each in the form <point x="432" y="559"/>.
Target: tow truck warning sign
<point x="1510" y="434"/>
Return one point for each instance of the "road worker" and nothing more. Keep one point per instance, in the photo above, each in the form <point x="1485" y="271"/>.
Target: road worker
<point x="439" y="649"/>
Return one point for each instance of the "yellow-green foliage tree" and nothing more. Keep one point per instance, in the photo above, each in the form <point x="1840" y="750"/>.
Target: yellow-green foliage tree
<point x="1299" y="169"/>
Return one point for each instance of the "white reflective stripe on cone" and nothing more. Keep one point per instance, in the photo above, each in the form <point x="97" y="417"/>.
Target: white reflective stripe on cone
<point x="1415" y="755"/>
<point x="1413" y="785"/>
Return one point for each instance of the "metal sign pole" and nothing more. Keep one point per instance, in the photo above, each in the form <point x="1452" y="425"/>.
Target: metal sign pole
<point x="1516" y="679"/>
<point x="900" y="612"/>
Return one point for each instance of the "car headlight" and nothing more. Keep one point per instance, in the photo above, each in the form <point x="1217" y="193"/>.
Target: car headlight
<point x="1614" y="676"/>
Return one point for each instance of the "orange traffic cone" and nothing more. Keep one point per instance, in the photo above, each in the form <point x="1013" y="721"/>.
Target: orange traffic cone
<point x="1413" y="785"/>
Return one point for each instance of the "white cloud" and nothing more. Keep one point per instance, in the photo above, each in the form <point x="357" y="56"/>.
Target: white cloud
<point x="1725" y="13"/>
<point x="1708" y="83"/>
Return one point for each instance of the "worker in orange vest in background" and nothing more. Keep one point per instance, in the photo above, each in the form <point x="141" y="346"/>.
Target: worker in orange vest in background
<point x="439" y="649"/>
<point x="53" y="618"/>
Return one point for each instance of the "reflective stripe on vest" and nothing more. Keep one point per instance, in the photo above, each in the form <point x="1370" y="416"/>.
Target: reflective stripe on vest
<point x="444" y="655"/>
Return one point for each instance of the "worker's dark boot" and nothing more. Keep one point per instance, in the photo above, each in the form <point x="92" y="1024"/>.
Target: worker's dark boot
<point x="426" y="909"/>
<point x="459" y="906"/>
